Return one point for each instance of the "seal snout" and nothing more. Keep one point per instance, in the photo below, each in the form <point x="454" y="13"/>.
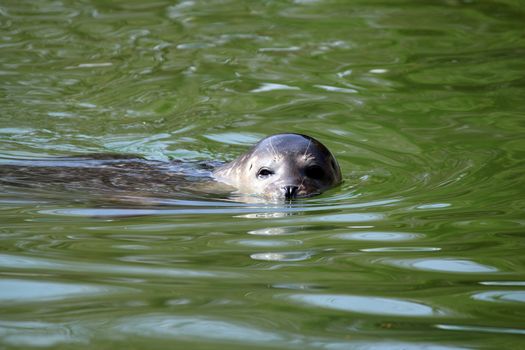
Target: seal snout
<point x="290" y="191"/>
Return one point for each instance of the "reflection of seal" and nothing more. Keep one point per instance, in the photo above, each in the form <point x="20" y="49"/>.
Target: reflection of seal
<point x="282" y="166"/>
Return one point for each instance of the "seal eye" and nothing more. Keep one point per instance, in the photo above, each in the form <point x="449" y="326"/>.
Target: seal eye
<point x="315" y="172"/>
<point x="264" y="172"/>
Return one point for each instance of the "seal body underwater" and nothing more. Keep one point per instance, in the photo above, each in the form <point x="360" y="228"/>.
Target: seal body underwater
<point x="282" y="166"/>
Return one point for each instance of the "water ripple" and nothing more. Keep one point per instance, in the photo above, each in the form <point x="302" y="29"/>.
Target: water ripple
<point x="378" y="236"/>
<point x="193" y="327"/>
<point x="501" y="296"/>
<point x="22" y="291"/>
<point x="481" y="329"/>
<point x="26" y="262"/>
<point x="282" y="256"/>
<point x="367" y="304"/>
<point x="442" y="265"/>
<point x="41" y="334"/>
<point x="419" y="248"/>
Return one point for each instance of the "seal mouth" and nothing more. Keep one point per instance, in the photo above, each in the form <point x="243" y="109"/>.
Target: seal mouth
<point x="294" y="194"/>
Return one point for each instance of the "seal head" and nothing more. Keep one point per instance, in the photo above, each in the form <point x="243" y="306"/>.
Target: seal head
<point x="283" y="166"/>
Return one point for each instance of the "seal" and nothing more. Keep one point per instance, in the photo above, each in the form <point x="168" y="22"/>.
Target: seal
<point x="282" y="166"/>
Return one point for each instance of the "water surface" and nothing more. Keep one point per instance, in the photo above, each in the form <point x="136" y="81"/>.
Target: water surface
<point x="420" y="101"/>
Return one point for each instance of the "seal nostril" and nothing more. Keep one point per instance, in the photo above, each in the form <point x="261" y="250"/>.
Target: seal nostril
<point x="290" y="191"/>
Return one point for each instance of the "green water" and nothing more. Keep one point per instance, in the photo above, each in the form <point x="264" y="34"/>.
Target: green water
<point x="422" y="247"/>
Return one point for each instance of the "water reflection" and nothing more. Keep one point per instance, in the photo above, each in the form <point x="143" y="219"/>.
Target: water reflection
<point x="378" y="236"/>
<point x="41" y="334"/>
<point x="481" y="329"/>
<point x="503" y="283"/>
<point x="367" y="304"/>
<point x="433" y="206"/>
<point x="265" y="243"/>
<point x="193" y="327"/>
<point x="282" y="256"/>
<point x="388" y="345"/>
<point x="337" y="89"/>
<point x="443" y="265"/>
<point x="351" y="217"/>
<point x="25" y="262"/>
<point x="17" y="291"/>
<point x="400" y="249"/>
<point x="272" y="231"/>
<point x="232" y="138"/>
<point x="268" y="215"/>
<point x="501" y="296"/>
<point x="265" y="87"/>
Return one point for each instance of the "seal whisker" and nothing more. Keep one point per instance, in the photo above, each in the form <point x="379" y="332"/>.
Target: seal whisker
<point x="302" y="182"/>
<point x="274" y="151"/>
<point x="307" y="147"/>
